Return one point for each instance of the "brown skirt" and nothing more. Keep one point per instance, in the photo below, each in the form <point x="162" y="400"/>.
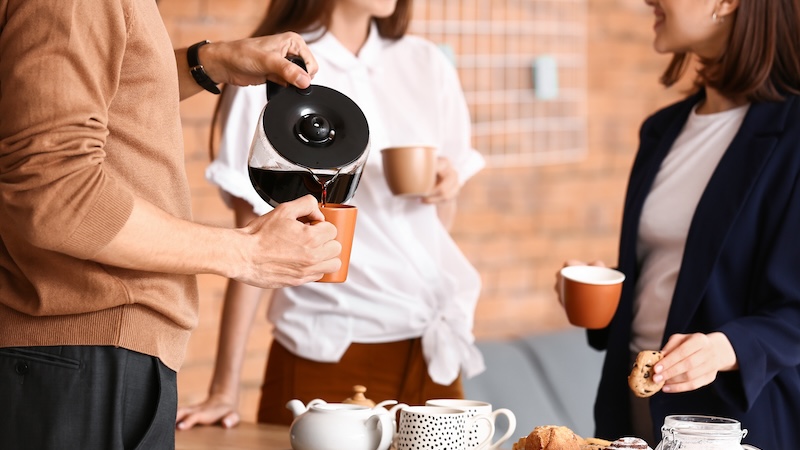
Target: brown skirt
<point x="390" y="371"/>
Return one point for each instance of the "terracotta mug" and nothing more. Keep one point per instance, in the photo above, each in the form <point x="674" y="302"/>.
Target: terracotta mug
<point x="343" y="217"/>
<point x="410" y="171"/>
<point x="590" y="294"/>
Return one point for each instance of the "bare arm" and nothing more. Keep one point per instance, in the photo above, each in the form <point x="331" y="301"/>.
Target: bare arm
<point x="57" y="193"/>
<point x="222" y="404"/>
<point x="249" y="62"/>
<point x="241" y="303"/>
<point x="282" y="248"/>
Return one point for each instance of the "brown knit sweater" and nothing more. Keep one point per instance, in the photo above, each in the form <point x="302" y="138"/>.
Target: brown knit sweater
<point x="89" y="117"/>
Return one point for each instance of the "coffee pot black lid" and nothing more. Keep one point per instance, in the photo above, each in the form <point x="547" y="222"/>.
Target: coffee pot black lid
<point x="316" y="127"/>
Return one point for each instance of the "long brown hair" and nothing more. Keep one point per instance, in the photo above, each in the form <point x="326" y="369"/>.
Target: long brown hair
<point x="308" y="16"/>
<point x="762" y="59"/>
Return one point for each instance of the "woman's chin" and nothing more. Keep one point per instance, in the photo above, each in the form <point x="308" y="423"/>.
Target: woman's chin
<point x="661" y="47"/>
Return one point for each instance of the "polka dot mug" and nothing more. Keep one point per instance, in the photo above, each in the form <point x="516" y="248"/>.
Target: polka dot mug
<point x="479" y="434"/>
<point x="439" y="428"/>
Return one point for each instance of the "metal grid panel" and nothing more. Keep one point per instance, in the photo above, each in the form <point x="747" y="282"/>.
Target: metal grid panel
<point x="494" y="44"/>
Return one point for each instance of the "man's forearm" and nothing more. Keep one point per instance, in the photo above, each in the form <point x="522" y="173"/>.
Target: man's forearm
<point x="155" y="241"/>
<point x="291" y="245"/>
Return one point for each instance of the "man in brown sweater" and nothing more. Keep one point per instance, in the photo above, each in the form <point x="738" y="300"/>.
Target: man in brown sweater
<point x="97" y="248"/>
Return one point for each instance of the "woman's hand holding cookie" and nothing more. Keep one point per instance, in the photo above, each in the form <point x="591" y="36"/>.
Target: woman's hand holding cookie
<point x="692" y="361"/>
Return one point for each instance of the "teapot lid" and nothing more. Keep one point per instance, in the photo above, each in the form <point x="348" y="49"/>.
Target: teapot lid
<point x="358" y="397"/>
<point x="316" y="127"/>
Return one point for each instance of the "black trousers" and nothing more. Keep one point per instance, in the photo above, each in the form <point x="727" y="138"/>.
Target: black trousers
<point x="85" y="398"/>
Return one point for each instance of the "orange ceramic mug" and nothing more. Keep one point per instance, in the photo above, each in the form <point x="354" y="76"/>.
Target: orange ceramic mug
<point x="590" y="294"/>
<point x="343" y="217"/>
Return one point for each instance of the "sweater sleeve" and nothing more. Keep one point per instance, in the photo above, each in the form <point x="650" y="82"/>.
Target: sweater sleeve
<point x="59" y="71"/>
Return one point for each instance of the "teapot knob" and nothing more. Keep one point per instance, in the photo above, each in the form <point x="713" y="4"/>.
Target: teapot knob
<point x="358" y="397"/>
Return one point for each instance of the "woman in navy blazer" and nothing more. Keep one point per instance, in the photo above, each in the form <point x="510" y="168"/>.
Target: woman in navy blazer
<point x="731" y="335"/>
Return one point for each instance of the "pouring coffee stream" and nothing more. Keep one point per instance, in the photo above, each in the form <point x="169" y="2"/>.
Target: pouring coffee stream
<point x="310" y="141"/>
<point x="324" y="186"/>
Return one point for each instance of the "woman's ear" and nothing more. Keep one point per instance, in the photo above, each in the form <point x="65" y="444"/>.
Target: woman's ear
<point x="725" y="8"/>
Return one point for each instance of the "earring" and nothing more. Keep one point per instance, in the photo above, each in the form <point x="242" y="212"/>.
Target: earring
<point x="716" y="18"/>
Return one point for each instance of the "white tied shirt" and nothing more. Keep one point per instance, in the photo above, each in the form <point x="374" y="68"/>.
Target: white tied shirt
<point x="667" y="215"/>
<point x="407" y="278"/>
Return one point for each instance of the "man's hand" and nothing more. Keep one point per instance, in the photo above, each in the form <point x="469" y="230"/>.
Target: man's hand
<point x="289" y="246"/>
<point x="254" y="60"/>
<point x="248" y="62"/>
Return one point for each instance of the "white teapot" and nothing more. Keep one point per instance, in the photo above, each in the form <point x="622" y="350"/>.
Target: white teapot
<point x="336" y="426"/>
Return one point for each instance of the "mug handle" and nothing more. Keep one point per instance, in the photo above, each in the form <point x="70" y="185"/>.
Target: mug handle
<point x="489" y="418"/>
<point x="395" y="421"/>
<point x="512" y="426"/>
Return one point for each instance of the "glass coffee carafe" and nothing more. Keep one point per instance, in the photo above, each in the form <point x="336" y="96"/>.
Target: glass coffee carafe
<point x="308" y="141"/>
<point x="690" y="432"/>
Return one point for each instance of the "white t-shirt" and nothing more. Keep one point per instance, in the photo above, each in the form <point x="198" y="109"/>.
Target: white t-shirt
<point x="407" y="278"/>
<point x="667" y="215"/>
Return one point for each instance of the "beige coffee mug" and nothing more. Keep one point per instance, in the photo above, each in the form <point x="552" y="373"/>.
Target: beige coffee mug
<point x="410" y="171"/>
<point x="482" y="433"/>
<point x="590" y="294"/>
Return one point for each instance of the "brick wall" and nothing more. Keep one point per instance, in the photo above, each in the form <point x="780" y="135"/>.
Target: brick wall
<point x="517" y="225"/>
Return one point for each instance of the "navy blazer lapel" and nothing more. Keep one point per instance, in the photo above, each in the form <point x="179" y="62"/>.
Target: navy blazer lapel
<point x="655" y="142"/>
<point x="720" y="204"/>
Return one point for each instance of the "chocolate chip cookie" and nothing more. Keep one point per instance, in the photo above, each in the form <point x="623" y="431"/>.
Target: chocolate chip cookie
<point x="641" y="378"/>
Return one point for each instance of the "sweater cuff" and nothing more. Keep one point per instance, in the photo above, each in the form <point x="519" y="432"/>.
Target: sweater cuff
<point x="103" y="222"/>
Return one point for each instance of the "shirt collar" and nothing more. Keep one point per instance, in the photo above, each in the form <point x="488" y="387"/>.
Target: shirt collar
<point x="331" y="50"/>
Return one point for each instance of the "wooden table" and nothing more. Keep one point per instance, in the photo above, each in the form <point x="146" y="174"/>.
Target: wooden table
<point x="245" y="436"/>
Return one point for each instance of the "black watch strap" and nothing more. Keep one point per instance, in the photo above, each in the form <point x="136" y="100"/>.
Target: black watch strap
<point x="198" y="71"/>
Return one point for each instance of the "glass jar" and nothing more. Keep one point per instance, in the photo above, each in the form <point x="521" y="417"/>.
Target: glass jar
<point x="688" y="432"/>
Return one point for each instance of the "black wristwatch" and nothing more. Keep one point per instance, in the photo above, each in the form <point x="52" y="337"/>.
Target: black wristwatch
<point x="198" y="71"/>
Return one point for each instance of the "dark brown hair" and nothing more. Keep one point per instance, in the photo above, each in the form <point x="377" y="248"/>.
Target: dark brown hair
<point x="303" y="16"/>
<point x="307" y="16"/>
<point x="762" y="59"/>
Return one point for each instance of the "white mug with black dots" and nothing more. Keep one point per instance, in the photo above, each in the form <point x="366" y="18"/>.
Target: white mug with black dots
<point x="482" y="432"/>
<point x="438" y="428"/>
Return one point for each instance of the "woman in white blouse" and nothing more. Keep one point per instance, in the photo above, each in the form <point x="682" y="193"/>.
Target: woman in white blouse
<point x="402" y="322"/>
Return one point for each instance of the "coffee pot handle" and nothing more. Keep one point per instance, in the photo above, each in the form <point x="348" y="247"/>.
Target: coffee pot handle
<point x="272" y="87"/>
